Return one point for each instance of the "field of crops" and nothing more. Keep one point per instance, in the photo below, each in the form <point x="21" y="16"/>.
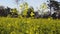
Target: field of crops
<point x="29" y="26"/>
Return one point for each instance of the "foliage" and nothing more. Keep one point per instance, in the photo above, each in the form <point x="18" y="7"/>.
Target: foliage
<point x="30" y="11"/>
<point x="29" y="26"/>
<point x="54" y="4"/>
<point x="43" y="9"/>
<point x="13" y="13"/>
<point x="24" y="8"/>
<point x="14" y="10"/>
<point x="43" y="6"/>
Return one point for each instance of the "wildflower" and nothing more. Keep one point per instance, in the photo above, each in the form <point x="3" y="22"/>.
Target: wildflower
<point x="48" y="18"/>
<point x="13" y="32"/>
<point x="28" y="21"/>
<point x="8" y="25"/>
<point x="27" y="31"/>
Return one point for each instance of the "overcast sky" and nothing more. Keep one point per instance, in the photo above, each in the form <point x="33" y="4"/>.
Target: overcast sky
<point x="12" y="4"/>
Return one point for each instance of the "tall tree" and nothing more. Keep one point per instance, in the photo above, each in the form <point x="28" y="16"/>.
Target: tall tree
<point x="17" y="3"/>
<point x="24" y="8"/>
<point x="54" y="4"/>
<point x="43" y="7"/>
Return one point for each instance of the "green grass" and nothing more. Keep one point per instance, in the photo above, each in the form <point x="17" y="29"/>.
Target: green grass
<point x="29" y="26"/>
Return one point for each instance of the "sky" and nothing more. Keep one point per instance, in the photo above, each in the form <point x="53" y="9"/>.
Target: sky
<point x="12" y="3"/>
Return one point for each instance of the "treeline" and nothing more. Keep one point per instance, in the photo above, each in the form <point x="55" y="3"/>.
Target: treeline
<point x="4" y="12"/>
<point x="31" y="13"/>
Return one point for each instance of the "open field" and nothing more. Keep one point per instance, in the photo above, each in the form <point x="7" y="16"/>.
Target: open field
<point x="29" y="26"/>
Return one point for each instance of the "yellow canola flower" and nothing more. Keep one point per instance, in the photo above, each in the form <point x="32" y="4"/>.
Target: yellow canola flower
<point x="8" y="25"/>
<point x="13" y="32"/>
<point x="28" y="21"/>
<point x="27" y="31"/>
<point x="48" y="18"/>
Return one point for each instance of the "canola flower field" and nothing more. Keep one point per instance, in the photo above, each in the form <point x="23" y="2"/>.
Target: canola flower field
<point x="29" y="26"/>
